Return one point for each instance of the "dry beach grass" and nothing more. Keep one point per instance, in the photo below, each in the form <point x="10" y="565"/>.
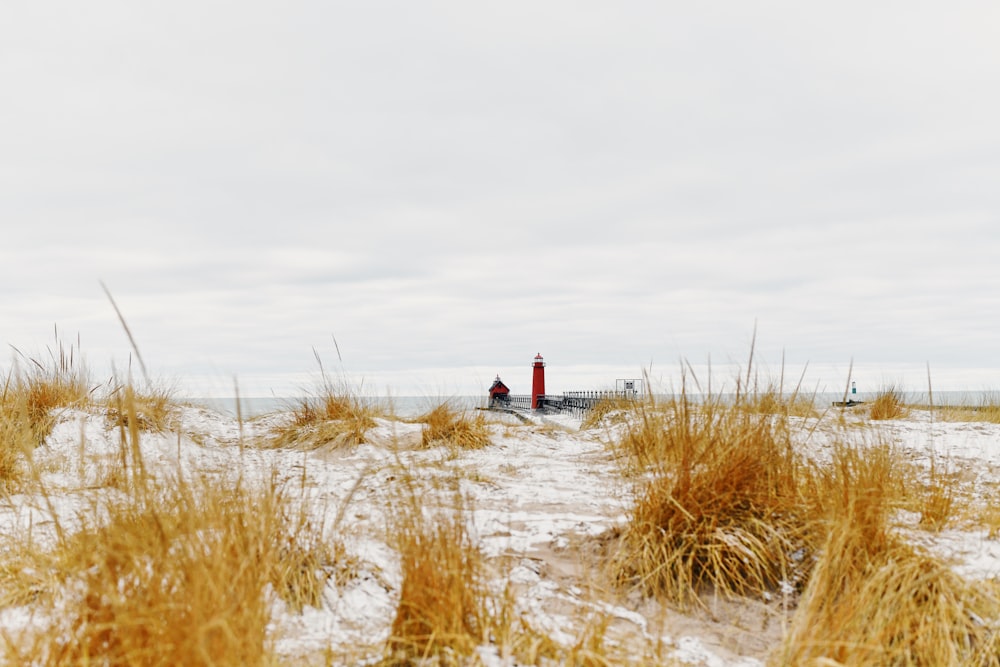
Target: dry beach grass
<point x="139" y="544"/>
<point x="456" y="428"/>
<point x="720" y="511"/>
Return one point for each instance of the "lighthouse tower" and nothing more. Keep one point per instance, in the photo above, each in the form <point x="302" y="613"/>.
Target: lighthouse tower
<point x="537" y="381"/>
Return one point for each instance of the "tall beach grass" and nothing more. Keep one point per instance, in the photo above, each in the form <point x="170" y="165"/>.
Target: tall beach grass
<point x="719" y="508"/>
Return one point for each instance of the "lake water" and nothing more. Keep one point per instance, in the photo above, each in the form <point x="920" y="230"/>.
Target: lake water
<point x="413" y="406"/>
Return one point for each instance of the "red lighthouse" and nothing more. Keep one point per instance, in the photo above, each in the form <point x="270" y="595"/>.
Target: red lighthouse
<point x="537" y="381"/>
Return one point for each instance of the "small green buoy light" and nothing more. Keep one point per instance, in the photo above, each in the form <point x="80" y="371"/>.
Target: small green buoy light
<point x="849" y="402"/>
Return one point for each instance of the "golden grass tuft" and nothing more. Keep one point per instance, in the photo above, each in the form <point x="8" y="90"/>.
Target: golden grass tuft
<point x="872" y="599"/>
<point x="30" y="399"/>
<point x="443" y="610"/>
<point x="889" y="403"/>
<point x="891" y="606"/>
<point x="446" y="425"/>
<point x="33" y="394"/>
<point x="719" y="512"/>
<point x="176" y="576"/>
<point x="151" y="409"/>
<point x="861" y="487"/>
<point x="336" y="418"/>
<point x="938" y="496"/>
<point x="937" y="506"/>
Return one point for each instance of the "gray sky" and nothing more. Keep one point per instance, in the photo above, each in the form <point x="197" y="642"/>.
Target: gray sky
<point x="450" y="187"/>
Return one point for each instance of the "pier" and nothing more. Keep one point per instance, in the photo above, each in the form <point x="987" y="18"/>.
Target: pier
<point x="571" y="401"/>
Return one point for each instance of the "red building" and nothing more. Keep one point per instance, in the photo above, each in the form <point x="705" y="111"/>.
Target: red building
<point x="498" y="392"/>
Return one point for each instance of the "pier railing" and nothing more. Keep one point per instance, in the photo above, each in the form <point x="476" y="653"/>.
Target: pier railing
<point x="511" y="401"/>
<point x="571" y="401"/>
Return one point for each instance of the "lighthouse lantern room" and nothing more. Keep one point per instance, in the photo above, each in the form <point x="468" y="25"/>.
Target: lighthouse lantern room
<point x="537" y="381"/>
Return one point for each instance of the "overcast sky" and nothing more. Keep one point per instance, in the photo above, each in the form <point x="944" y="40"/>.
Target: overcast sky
<point x="449" y="188"/>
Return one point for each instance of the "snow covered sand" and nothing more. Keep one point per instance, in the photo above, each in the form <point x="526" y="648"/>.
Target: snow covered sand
<point x="540" y="496"/>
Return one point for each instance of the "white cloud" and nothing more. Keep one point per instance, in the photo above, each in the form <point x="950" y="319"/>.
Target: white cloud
<point x="450" y="186"/>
